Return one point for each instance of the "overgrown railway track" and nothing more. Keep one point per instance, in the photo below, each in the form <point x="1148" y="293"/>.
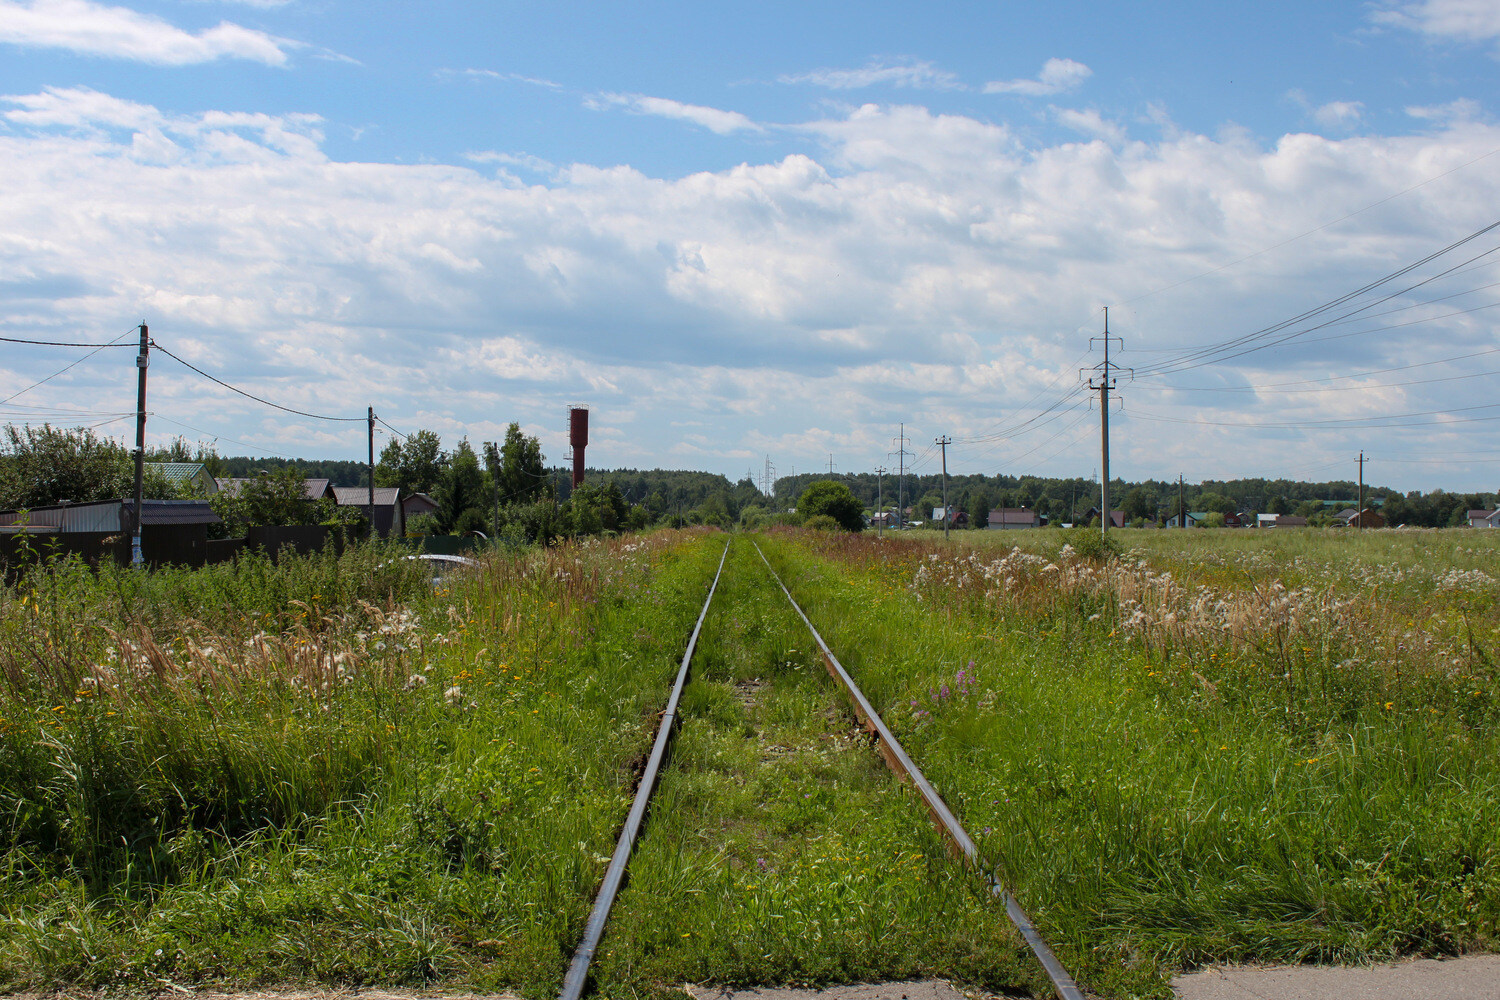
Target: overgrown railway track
<point x="960" y="843"/>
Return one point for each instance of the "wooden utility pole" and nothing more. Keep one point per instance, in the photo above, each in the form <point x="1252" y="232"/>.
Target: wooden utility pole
<point x="943" y="443"/>
<point x="370" y="421"/>
<point x="1359" y="515"/>
<point x="142" y="360"/>
<point x="1181" y="506"/>
<point x="880" y="501"/>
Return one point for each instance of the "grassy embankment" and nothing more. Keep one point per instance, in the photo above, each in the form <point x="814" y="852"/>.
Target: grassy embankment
<point x="327" y="770"/>
<point x="1281" y="750"/>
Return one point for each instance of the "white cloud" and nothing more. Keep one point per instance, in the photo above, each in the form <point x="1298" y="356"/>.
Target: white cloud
<point x="931" y="267"/>
<point x="525" y="161"/>
<point x="1338" y="116"/>
<point x="89" y="28"/>
<point x="1464" y="20"/>
<point x="1057" y="76"/>
<point x="1089" y="122"/>
<point x="715" y="120"/>
<point x="80" y="107"/>
<point x="915" y="73"/>
<point x="1461" y="110"/>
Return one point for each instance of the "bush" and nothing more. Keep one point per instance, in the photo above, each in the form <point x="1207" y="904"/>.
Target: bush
<point x="834" y="500"/>
<point x="822" y="522"/>
<point x="1089" y="543"/>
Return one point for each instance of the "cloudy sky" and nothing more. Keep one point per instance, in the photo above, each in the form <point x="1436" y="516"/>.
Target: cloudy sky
<point x="779" y="230"/>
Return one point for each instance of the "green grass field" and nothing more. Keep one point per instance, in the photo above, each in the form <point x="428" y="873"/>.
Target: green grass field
<point x="1215" y="746"/>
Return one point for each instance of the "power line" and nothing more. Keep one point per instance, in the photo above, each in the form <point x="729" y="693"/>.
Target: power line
<point x="219" y="437"/>
<point x="388" y="427"/>
<point x="58" y="343"/>
<point x="60" y="371"/>
<point x="1318" y="229"/>
<point x="258" y="399"/>
<point x="1326" y="388"/>
<point x="1350" y="422"/>
<point x="1241" y="345"/>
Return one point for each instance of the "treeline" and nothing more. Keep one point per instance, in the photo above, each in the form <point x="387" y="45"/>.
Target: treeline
<point x="507" y="486"/>
<point x="1146" y="501"/>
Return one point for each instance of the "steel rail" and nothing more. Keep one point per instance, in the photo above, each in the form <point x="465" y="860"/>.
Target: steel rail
<point x="958" y="838"/>
<point x="614" y="875"/>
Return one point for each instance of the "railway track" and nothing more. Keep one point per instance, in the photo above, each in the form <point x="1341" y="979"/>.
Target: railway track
<point x="959" y="841"/>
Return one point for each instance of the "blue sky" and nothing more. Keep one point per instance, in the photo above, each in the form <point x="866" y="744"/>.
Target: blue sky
<point x="773" y="230"/>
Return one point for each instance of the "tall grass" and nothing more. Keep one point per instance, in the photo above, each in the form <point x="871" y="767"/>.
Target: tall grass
<point x="1176" y="771"/>
<point x="339" y="773"/>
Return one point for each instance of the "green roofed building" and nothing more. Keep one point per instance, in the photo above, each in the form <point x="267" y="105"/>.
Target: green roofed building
<point x="192" y="475"/>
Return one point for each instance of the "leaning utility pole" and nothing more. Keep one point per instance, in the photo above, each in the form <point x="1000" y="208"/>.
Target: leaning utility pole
<point x="370" y="418"/>
<point x="1359" y="514"/>
<point x="943" y="443"/>
<point x="1103" y="381"/>
<point x="142" y="360"/>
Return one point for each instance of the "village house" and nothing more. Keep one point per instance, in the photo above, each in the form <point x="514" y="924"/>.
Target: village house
<point x="956" y="518"/>
<point x="174" y="531"/>
<point x="1011" y="518"/>
<point x="190" y="475"/>
<point x="388" y="512"/>
<point x="313" y="489"/>
<point x="1484" y="519"/>
<point x="1366" y="518"/>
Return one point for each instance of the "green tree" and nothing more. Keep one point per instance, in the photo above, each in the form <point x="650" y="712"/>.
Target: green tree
<point x="979" y="508"/>
<point x="834" y="500"/>
<point x="1138" y="503"/>
<point x="522" y="474"/>
<point x="46" y="465"/>
<point x="461" y="488"/>
<point x="271" y="499"/>
<point x="415" y="466"/>
<point x="1215" y="503"/>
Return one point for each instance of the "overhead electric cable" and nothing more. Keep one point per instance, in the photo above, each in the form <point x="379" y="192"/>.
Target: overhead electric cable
<point x="1326" y="388"/>
<point x="1239" y="346"/>
<point x="60" y="343"/>
<point x="1317" y="229"/>
<point x="65" y="368"/>
<point x="1346" y="421"/>
<point x="258" y="399"/>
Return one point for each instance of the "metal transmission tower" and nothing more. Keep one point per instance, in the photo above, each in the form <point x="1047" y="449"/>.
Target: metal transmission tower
<point x="1102" y="379"/>
<point x="901" y="456"/>
<point x="768" y="479"/>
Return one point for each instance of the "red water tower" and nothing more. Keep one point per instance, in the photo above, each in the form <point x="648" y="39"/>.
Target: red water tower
<point x="578" y="437"/>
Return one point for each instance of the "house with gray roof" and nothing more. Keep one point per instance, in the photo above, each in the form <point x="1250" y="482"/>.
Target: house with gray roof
<point x="388" y="514"/>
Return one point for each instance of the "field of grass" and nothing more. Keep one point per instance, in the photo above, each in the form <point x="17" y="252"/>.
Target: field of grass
<point x="325" y="771"/>
<point x="1185" y="755"/>
<point x="1217" y="746"/>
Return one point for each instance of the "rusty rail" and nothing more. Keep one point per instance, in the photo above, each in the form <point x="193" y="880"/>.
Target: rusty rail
<point x="614" y="875"/>
<point x="947" y="824"/>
